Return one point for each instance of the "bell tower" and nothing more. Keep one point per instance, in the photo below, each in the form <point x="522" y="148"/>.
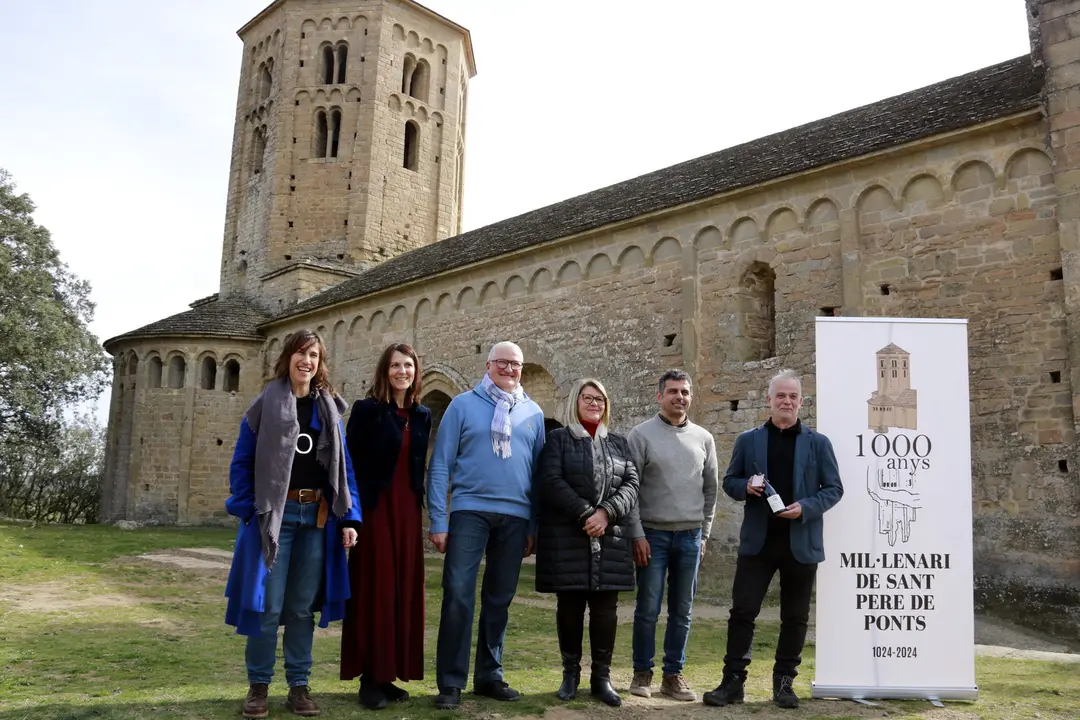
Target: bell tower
<point x="348" y="146"/>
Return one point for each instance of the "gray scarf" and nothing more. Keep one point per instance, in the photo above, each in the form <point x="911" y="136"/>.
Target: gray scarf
<point x="274" y="414"/>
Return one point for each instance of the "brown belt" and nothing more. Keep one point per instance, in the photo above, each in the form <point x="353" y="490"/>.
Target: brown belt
<point x="307" y="496"/>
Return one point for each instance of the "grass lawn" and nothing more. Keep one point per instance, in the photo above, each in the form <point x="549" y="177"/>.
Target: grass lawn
<point x="89" y="630"/>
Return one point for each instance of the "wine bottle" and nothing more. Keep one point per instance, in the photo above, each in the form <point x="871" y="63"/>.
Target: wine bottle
<point x="776" y="503"/>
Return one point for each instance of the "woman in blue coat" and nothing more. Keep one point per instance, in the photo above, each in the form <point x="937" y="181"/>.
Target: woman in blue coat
<point x="292" y="486"/>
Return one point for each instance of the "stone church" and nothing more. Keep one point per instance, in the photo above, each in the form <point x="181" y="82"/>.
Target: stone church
<point x="344" y="214"/>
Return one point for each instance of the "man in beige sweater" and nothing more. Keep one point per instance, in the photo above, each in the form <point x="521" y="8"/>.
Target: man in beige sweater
<point x="676" y="462"/>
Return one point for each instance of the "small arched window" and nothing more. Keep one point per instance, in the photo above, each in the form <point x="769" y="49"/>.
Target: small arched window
<point x="177" y="371"/>
<point x="232" y="376"/>
<point x="342" y="61"/>
<point x="335" y="131"/>
<point x="328" y="65"/>
<point x="132" y="364"/>
<point x="320" y="134"/>
<point x="208" y="374"/>
<point x="265" y="81"/>
<point x="258" y="149"/>
<point x="412" y="145"/>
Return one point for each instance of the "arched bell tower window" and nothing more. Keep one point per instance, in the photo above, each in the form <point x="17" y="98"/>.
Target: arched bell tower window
<point x="265" y="81"/>
<point x="258" y="148"/>
<point x="321" y="134"/>
<point x="335" y="131"/>
<point x="421" y="79"/>
<point x="408" y="66"/>
<point x="342" y="61"/>
<point x="328" y="65"/>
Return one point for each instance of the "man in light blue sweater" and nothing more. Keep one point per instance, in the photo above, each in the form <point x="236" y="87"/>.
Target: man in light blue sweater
<point x="486" y="448"/>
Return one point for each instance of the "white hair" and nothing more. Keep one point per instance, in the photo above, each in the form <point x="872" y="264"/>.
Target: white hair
<point x="504" y="344"/>
<point x="785" y="375"/>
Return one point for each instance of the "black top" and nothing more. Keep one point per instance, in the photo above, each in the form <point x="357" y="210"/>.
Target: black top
<point x="307" y="474"/>
<point x="374" y="436"/>
<point x="571" y="487"/>
<point x="781" y="459"/>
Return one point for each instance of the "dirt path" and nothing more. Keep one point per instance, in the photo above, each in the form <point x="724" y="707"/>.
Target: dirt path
<point x="993" y="637"/>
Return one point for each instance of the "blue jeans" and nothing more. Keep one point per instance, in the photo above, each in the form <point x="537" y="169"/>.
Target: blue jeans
<point x="675" y="555"/>
<point x="291" y="591"/>
<point x="501" y="540"/>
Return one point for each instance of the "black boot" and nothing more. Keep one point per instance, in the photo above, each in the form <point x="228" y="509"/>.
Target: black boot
<point x="600" y="682"/>
<point x="371" y="695"/>
<point x="571" y="676"/>
<point x="783" y="693"/>
<point x="728" y="692"/>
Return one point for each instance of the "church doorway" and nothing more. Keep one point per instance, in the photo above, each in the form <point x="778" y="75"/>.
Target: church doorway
<point x="436" y="401"/>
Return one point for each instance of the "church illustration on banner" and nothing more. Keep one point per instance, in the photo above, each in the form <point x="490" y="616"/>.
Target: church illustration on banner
<point x="893" y="404"/>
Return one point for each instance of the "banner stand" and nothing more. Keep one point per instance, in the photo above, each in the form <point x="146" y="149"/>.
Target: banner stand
<point x="895" y="616"/>
<point x="860" y="694"/>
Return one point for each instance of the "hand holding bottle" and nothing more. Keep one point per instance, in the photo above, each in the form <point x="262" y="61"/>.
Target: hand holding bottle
<point x="755" y="485"/>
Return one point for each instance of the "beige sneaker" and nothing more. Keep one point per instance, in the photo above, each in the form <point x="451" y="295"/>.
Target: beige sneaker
<point x="676" y="688"/>
<point x="642" y="683"/>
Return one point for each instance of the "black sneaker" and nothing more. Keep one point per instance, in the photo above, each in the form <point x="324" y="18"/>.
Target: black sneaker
<point x="728" y="692"/>
<point x="448" y="699"/>
<point x="497" y="690"/>
<point x="783" y="693"/>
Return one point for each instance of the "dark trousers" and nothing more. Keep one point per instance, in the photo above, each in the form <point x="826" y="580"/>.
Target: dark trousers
<point x="603" y="622"/>
<point x="500" y="540"/>
<point x="753" y="573"/>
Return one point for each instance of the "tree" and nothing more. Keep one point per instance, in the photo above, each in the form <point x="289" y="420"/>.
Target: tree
<point x="49" y="360"/>
<point x="57" y="480"/>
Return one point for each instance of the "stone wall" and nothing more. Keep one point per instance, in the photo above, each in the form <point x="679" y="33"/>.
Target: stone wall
<point x="956" y="227"/>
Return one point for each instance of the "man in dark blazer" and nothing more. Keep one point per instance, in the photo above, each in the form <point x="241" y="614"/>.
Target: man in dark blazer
<point x="799" y="464"/>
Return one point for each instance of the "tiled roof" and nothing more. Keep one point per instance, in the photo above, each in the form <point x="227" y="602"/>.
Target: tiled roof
<point x="892" y="349"/>
<point x="210" y="317"/>
<point x="987" y="94"/>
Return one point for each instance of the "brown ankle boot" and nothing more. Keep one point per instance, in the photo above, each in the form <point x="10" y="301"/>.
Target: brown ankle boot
<point x="300" y="702"/>
<point x="255" y="705"/>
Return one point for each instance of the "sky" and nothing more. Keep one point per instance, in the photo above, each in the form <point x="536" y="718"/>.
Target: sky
<point x="117" y="115"/>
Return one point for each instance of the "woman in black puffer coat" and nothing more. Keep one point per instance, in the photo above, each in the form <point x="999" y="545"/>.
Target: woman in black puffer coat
<point x="588" y="497"/>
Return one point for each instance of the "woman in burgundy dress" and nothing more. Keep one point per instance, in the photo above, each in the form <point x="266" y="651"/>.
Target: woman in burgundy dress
<point x="382" y="637"/>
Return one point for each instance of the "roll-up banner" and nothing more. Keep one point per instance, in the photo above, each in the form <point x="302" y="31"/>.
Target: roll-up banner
<point x="895" y="607"/>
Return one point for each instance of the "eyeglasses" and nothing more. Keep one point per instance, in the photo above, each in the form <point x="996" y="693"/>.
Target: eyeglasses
<point x="597" y="400"/>
<point x="513" y="364"/>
